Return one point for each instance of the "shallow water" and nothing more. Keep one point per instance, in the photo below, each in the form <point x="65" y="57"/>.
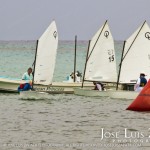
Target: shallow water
<point x="65" y="121"/>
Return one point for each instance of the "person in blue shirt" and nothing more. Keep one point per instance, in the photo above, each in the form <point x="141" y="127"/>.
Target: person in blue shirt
<point x="27" y="77"/>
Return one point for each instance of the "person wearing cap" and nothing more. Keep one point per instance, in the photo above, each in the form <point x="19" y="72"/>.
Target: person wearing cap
<point x="141" y="82"/>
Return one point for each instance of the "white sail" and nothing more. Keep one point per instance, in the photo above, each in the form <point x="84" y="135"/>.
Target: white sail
<point x="46" y="56"/>
<point x="101" y="64"/>
<point x="136" y="55"/>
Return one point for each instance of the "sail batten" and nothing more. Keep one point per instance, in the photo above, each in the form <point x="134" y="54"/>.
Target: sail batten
<point x="101" y="63"/>
<point x="46" y="56"/>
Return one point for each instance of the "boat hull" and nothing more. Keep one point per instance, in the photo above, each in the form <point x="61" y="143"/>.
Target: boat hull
<point x="9" y="85"/>
<point x="123" y="94"/>
<point x="90" y="92"/>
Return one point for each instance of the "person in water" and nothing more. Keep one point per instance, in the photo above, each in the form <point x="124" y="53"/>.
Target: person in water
<point x="27" y="77"/>
<point x="141" y="82"/>
<point x="99" y="86"/>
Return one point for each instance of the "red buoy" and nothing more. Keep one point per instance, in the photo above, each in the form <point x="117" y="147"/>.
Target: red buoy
<point x="142" y="102"/>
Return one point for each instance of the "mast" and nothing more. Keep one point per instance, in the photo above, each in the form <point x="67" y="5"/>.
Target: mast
<point x="134" y="40"/>
<point x="35" y="62"/>
<point x="86" y="62"/>
<point x="75" y="51"/>
<point x="120" y="65"/>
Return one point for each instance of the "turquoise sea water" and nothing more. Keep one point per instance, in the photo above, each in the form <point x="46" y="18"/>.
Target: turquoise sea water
<point x="17" y="56"/>
<point x="65" y="122"/>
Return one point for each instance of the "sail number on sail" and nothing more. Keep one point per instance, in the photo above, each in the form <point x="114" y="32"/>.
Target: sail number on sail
<point x="111" y="55"/>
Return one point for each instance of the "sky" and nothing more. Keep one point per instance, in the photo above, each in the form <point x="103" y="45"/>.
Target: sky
<point x="28" y="19"/>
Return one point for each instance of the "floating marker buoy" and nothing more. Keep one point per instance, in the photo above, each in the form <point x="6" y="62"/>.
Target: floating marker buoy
<point x="142" y="102"/>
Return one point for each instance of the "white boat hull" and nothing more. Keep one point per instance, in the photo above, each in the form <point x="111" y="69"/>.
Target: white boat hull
<point x="123" y="94"/>
<point x="9" y="85"/>
<point x="109" y="93"/>
<point x="90" y="92"/>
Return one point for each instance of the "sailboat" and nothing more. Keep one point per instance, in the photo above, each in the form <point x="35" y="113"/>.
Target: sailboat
<point x="135" y="59"/>
<point x="100" y="62"/>
<point x="44" y="64"/>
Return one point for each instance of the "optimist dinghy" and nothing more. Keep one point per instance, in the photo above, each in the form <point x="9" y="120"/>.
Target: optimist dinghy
<point x="100" y="62"/>
<point x="135" y="58"/>
<point x="44" y="63"/>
